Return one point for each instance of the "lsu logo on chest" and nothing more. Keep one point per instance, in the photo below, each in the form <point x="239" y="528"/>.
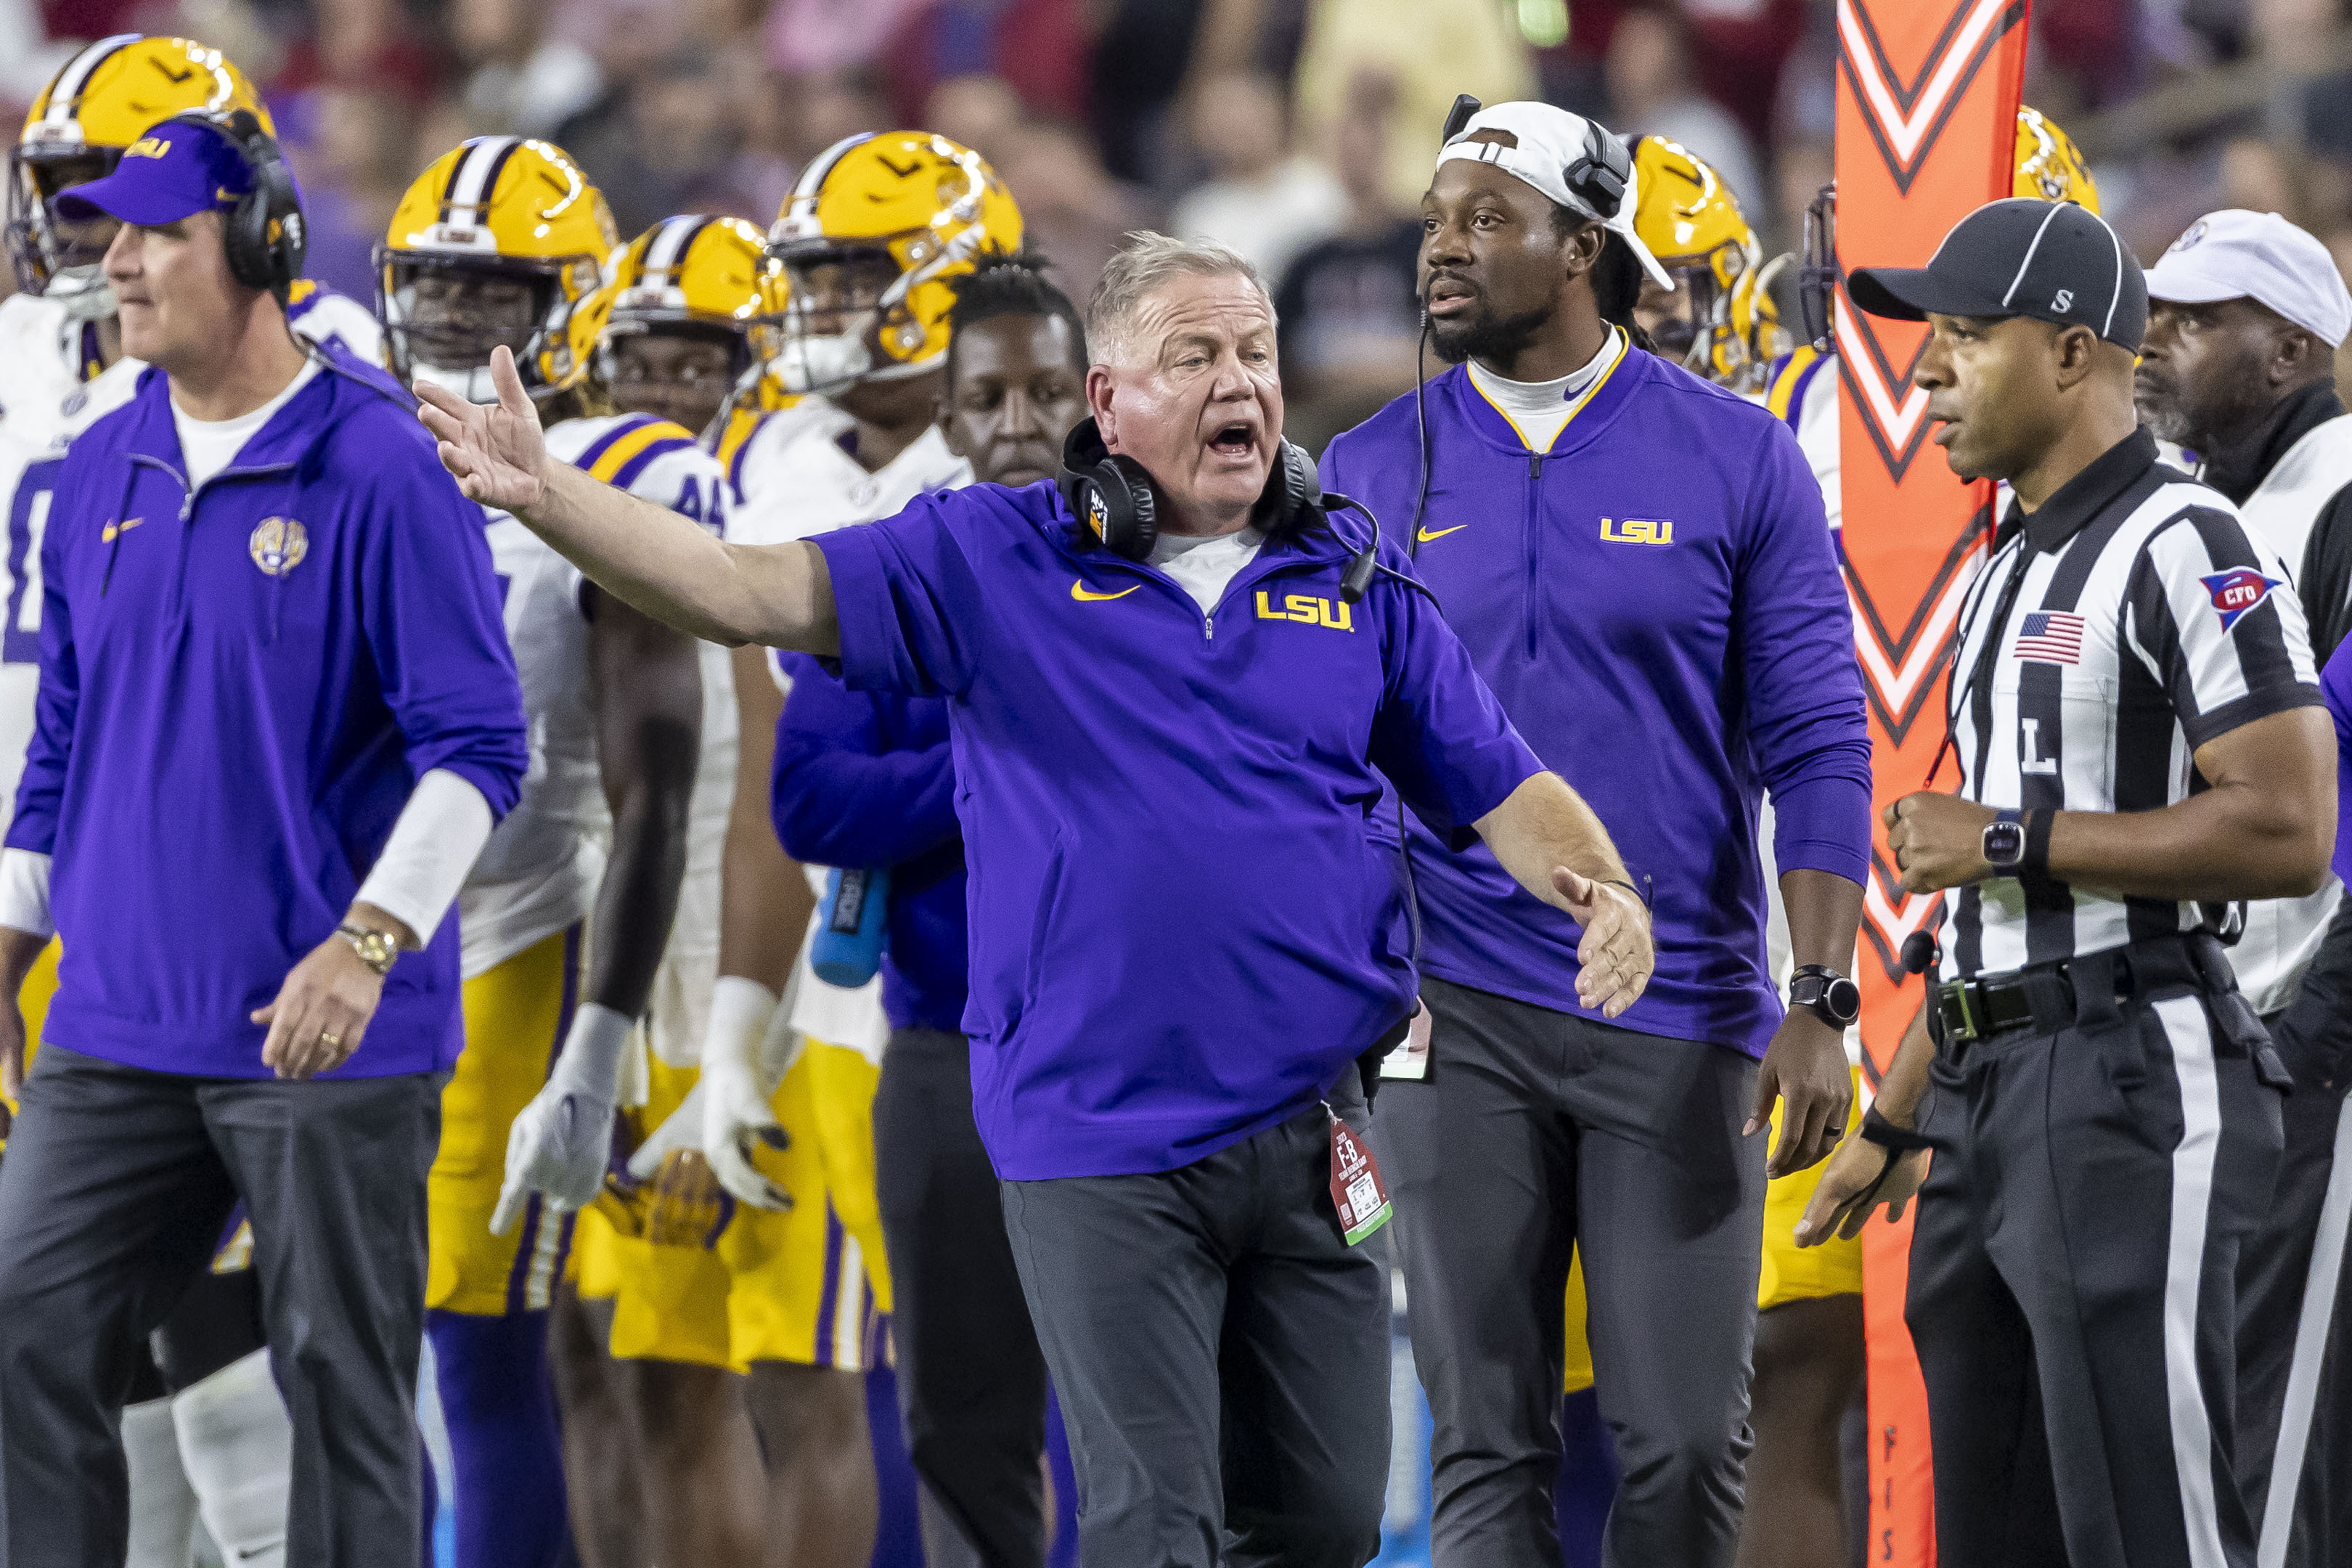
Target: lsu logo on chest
<point x="1307" y="610"/>
<point x="1637" y="530"/>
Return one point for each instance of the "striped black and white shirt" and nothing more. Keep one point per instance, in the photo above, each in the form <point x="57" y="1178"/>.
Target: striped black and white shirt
<point x="2127" y="622"/>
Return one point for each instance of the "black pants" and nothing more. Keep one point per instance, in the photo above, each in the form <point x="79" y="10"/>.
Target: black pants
<point x="2294" y="1329"/>
<point x="113" y="1197"/>
<point x="1538" y="1131"/>
<point x="2073" y="1274"/>
<point x="1220" y="1352"/>
<point x="971" y="1381"/>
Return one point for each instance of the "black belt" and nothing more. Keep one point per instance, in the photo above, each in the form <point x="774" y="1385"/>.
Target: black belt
<point x="1976" y="1006"/>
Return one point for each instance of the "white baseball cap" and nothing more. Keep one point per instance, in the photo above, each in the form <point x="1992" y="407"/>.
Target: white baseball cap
<point x="1574" y="160"/>
<point x="2234" y="254"/>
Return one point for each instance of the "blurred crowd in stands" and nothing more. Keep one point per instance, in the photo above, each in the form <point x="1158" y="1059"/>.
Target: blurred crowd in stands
<point x="1300" y="131"/>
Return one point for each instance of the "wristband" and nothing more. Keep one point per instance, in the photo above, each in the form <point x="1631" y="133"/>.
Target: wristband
<point x="591" y="1062"/>
<point x="741" y="1009"/>
<point x="2037" y="842"/>
<point x="1876" y="1129"/>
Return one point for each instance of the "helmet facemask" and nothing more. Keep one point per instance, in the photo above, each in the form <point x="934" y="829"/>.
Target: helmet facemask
<point x="56" y="257"/>
<point x="677" y="367"/>
<point x="443" y="315"/>
<point x="1818" y="278"/>
<point x="843" y="299"/>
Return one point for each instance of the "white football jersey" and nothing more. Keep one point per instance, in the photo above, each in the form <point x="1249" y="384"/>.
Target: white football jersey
<point x="798" y="480"/>
<point x="681" y="1008"/>
<point x="540" y="871"/>
<point x="45" y="402"/>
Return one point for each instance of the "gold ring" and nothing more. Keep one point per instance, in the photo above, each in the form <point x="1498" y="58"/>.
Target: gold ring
<point x="329" y="1038"/>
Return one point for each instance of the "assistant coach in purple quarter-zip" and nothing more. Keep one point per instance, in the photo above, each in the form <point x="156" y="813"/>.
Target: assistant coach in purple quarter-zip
<point x="1637" y="562"/>
<point x="1170" y="723"/>
<point x="276" y="719"/>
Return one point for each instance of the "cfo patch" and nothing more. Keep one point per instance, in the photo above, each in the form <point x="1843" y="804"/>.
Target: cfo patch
<point x="2238" y="591"/>
<point x="277" y="545"/>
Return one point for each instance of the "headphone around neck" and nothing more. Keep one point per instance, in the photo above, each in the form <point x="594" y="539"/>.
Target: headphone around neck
<point x="1116" y="501"/>
<point x="264" y="232"/>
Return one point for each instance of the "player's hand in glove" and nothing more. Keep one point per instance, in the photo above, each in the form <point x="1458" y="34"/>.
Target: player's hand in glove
<point x="741" y="1066"/>
<point x="563" y="1139"/>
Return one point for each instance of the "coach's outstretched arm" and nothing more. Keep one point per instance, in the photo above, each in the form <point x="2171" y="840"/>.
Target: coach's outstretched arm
<point x="663" y="563"/>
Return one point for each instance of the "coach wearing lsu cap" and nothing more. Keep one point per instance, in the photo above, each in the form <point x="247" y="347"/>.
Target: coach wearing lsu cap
<point x="2247" y="311"/>
<point x="2135" y="716"/>
<point x="1638" y="562"/>
<point x="277" y="716"/>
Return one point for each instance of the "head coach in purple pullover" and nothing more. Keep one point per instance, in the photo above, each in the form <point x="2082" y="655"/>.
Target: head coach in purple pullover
<point x="1638" y="565"/>
<point x="1170" y="723"/>
<point x="276" y="718"/>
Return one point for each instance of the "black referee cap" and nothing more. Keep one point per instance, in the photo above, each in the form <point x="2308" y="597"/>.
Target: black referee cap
<point x="2054" y="261"/>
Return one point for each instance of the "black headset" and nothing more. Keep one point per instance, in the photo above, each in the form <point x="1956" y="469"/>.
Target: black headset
<point x="264" y="234"/>
<point x="1115" y="503"/>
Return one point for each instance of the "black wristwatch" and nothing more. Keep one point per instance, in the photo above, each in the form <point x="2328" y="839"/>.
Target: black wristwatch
<point x="1827" y="994"/>
<point x="2004" y="841"/>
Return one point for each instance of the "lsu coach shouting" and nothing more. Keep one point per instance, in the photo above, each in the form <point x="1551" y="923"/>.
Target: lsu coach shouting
<point x="1171" y="722"/>
<point x="1638" y="562"/>
<point x="2140" y="741"/>
<point x="276" y="717"/>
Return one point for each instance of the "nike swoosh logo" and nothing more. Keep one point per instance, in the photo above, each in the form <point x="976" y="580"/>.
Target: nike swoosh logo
<point x="1086" y="595"/>
<point x="1425" y="536"/>
<point x="107" y="535"/>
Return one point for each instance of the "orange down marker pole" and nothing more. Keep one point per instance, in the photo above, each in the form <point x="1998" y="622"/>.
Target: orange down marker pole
<point x="1926" y="107"/>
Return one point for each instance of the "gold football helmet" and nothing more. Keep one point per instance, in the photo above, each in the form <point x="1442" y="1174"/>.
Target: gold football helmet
<point x="693" y="279"/>
<point x="502" y="240"/>
<point x="869" y="238"/>
<point x="1730" y="330"/>
<point x="106" y="97"/>
<point x="2049" y="166"/>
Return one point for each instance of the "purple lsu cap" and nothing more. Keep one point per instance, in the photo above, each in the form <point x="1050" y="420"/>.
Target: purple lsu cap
<point x="178" y="169"/>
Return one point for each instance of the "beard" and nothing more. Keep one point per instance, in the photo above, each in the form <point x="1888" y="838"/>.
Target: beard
<point x="1490" y="337"/>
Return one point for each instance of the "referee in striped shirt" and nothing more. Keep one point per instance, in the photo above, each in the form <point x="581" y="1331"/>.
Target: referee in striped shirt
<point x="2135" y="716"/>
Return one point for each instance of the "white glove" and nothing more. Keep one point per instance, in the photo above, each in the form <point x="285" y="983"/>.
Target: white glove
<point x="681" y="1128"/>
<point x="563" y="1139"/>
<point x="738" y="1081"/>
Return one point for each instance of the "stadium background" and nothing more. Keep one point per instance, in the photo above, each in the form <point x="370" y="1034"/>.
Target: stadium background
<point x="1300" y="131"/>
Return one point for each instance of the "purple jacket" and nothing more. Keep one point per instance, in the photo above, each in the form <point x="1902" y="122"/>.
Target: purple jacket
<point x="1180" y="930"/>
<point x="1656" y="601"/>
<point x="239" y="689"/>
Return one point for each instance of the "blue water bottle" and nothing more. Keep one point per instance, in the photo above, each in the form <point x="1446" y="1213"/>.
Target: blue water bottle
<point x="848" y="946"/>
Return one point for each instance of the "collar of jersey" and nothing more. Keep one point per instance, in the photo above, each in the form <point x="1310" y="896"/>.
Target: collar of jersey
<point x="1599" y="405"/>
<point x="2083" y="497"/>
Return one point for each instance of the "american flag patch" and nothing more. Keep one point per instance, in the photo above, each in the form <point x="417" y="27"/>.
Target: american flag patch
<point x="2051" y="637"/>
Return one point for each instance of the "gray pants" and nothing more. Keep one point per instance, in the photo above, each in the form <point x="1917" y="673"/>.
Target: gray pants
<point x="113" y="1194"/>
<point x="972" y="1384"/>
<point x="1221" y="1355"/>
<point x="1538" y="1131"/>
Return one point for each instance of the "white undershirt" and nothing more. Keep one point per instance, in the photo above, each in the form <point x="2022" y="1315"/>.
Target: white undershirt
<point x="1204" y="564"/>
<point x="208" y="446"/>
<point x="1541" y="409"/>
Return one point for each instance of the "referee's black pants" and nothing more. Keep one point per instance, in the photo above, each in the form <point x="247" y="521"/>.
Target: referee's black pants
<point x="971" y="1381"/>
<point x="113" y="1194"/>
<point x="1538" y="1132"/>
<point x="2294" y="1294"/>
<point x="2073" y="1291"/>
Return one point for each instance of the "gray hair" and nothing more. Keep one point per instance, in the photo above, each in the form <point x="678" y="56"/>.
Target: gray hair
<point x="1139" y="267"/>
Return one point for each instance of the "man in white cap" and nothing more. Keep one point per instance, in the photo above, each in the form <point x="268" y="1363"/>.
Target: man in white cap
<point x="1638" y="564"/>
<point x="2245" y="312"/>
